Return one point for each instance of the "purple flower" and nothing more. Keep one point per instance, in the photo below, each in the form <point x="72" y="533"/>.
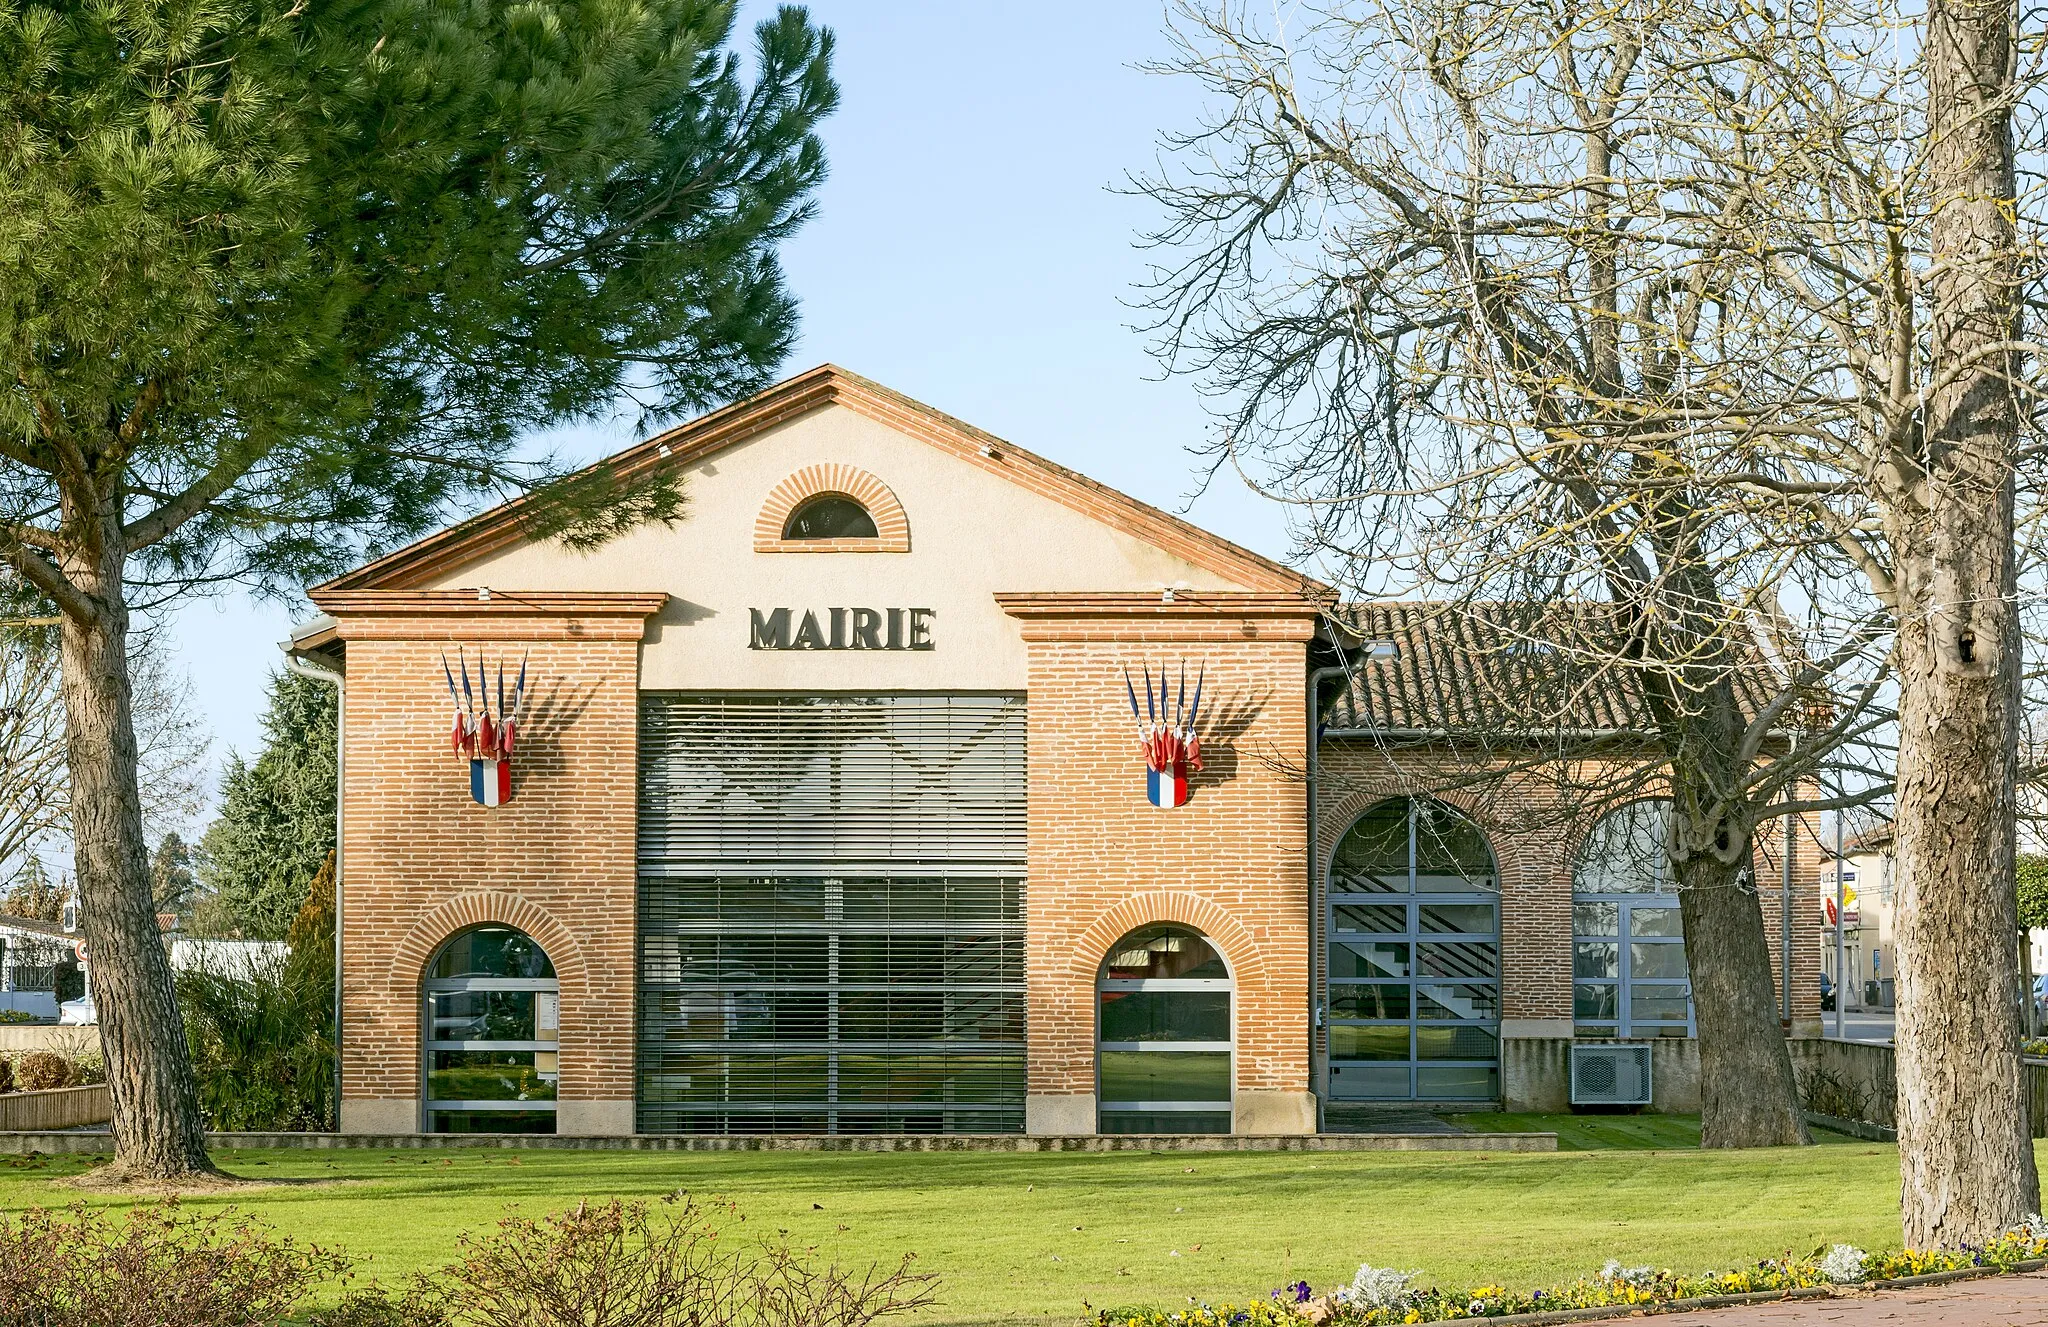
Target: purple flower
<point x="1302" y="1294"/>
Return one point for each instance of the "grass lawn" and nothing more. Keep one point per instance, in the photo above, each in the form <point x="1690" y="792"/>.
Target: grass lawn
<point x="1048" y="1236"/>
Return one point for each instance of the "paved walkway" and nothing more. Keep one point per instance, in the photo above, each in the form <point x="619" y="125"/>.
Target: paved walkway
<point x="1994" y="1301"/>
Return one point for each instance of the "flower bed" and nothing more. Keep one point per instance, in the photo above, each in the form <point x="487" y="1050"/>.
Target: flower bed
<point x="1378" y="1296"/>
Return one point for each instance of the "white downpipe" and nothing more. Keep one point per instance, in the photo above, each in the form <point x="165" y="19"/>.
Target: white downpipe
<point x="305" y="667"/>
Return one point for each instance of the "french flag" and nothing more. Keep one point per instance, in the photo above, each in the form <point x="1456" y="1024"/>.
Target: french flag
<point x="490" y="781"/>
<point x="1167" y="788"/>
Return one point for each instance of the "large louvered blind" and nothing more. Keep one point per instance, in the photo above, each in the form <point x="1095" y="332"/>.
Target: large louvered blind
<point x="729" y="782"/>
<point x="831" y="914"/>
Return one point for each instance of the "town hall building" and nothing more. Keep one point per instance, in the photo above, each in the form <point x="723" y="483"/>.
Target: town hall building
<point x="912" y="783"/>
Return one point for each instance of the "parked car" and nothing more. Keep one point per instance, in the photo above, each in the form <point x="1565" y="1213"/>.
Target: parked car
<point x="1827" y="994"/>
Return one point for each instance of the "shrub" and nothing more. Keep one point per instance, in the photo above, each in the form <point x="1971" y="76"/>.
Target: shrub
<point x="376" y="1307"/>
<point x="16" y="1016"/>
<point x="81" y="1047"/>
<point x="155" y="1267"/>
<point x="617" y="1265"/>
<point x="39" y="1071"/>
<point x="263" y="1046"/>
<point x="6" y="1074"/>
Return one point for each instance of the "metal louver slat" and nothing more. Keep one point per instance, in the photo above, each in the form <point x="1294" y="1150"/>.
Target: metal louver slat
<point x="731" y="781"/>
<point x="831" y="930"/>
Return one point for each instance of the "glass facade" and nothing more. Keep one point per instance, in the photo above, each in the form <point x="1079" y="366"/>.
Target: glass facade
<point x="493" y="1035"/>
<point x="1412" y="987"/>
<point x="831" y="915"/>
<point x="825" y="1004"/>
<point x="1629" y="975"/>
<point x="1163" y="1033"/>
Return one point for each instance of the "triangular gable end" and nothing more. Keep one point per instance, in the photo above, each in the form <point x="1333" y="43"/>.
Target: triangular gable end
<point x="503" y="525"/>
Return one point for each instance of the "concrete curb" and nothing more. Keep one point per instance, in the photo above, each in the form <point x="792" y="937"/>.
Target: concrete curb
<point x="1876" y="1133"/>
<point x="68" y="1141"/>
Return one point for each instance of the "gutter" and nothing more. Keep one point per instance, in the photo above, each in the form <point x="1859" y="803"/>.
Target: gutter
<point x="304" y="667"/>
<point x="1446" y="734"/>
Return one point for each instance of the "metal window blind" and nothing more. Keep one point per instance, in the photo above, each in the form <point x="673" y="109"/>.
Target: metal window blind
<point x="831" y="932"/>
<point x="738" y="781"/>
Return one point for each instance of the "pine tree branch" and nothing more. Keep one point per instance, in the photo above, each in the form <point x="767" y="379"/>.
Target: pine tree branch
<point x="44" y="575"/>
<point x="164" y="520"/>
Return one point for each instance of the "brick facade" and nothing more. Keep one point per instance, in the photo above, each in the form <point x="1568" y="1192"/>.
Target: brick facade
<point x="422" y="861"/>
<point x="1231" y="863"/>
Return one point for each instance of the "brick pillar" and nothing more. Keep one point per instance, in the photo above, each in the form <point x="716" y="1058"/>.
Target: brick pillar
<point x="421" y="860"/>
<point x="1232" y="862"/>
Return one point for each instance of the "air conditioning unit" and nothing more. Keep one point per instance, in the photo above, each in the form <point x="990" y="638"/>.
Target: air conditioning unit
<point x="1611" y="1074"/>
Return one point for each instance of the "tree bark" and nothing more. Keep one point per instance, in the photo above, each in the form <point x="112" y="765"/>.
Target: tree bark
<point x="1748" y="1096"/>
<point x="158" y="1132"/>
<point x="1966" y="1162"/>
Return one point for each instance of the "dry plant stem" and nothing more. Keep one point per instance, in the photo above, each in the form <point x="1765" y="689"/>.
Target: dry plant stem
<point x="1967" y="1161"/>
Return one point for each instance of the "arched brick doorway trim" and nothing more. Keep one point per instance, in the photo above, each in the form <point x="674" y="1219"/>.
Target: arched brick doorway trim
<point x="432" y="930"/>
<point x="1229" y="937"/>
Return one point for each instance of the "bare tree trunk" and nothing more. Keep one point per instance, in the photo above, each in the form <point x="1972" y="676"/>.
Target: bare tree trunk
<point x="1967" y="1163"/>
<point x="158" y="1133"/>
<point x="1748" y="1096"/>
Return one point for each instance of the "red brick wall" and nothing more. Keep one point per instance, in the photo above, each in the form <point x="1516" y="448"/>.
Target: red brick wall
<point x="1231" y="862"/>
<point x="421" y="860"/>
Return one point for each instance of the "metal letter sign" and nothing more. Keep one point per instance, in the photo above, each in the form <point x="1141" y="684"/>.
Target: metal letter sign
<point x="1166" y="736"/>
<point x="841" y="629"/>
<point x="483" y="732"/>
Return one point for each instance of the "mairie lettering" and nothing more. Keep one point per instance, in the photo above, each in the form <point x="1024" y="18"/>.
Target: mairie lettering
<point x="840" y="629"/>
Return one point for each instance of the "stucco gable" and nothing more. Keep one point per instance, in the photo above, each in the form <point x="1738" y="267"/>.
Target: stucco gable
<point x="442" y="558"/>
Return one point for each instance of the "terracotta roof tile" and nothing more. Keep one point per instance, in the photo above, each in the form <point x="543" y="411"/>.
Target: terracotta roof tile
<point x="1502" y="670"/>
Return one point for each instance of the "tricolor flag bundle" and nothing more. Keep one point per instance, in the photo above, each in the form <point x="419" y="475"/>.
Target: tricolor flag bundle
<point x="1166" y="736"/>
<point x="482" y="732"/>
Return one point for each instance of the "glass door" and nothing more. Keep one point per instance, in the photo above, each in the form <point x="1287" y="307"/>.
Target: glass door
<point x="1413" y="975"/>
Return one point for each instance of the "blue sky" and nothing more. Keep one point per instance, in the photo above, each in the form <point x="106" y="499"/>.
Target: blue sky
<point x="969" y="250"/>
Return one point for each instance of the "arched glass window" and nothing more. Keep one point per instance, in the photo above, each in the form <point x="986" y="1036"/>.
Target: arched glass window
<point x="1163" y="1034"/>
<point x="493" y="1017"/>
<point x="830" y="516"/>
<point x="1628" y="946"/>
<point x="1413" y="978"/>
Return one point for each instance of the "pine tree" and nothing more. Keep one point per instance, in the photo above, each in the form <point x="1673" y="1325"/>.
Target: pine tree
<point x="170" y="874"/>
<point x="35" y="895"/>
<point x="282" y="280"/>
<point x="276" y="823"/>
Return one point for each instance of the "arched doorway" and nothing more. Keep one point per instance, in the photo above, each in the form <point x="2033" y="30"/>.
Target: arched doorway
<point x="1163" y="1034"/>
<point x="1413" y="977"/>
<point x="491" y="1017"/>
<point x="1629" y="976"/>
